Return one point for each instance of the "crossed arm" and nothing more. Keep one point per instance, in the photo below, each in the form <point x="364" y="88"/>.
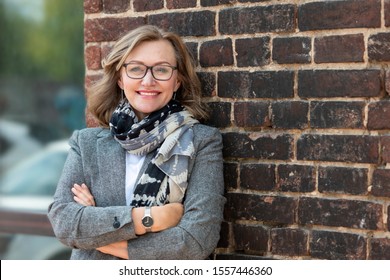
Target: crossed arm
<point x="165" y="217"/>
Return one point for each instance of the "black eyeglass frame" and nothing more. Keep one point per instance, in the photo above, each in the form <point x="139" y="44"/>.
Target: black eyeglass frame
<point x="151" y="70"/>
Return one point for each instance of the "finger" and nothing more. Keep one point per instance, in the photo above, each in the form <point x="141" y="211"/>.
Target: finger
<point x="83" y="191"/>
<point x="75" y="191"/>
<point x="83" y="196"/>
<point x="80" y="201"/>
<point x="87" y="193"/>
<point x="84" y="201"/>
<point x="79" y="188"/>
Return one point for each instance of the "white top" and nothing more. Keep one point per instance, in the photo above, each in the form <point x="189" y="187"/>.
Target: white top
<point x="133" y="167"/>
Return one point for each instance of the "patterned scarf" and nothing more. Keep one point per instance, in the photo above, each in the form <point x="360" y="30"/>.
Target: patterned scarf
<point x="168" y="134"/>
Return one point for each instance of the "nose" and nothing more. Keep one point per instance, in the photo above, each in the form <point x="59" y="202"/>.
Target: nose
<point x="148" y="79"/>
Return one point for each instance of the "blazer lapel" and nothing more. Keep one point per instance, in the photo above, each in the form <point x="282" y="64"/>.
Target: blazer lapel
<point x="111" y="164"/>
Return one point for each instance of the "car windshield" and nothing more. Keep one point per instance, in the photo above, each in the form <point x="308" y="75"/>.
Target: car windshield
<point x="36" y="176"/>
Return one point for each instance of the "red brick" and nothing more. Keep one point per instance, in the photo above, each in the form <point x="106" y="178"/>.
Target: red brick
<point x="224" y="240"/>
<point x="378" y="47"/>
<point x="93" y="6"/>
<point x="291" y="50"/>
<point x="273" y="209"/>
<point x="339" y="14"/>
<point x="340" y="148"/>
<point x="380" y="249"/>
<point x="387" y="82"/>
<point x="216" y="53"/>
<point x="187" y="23"/>
<point x="109" y="29"/>
<point x="337" y="246"/>
<point x="238" y="256"/>
<point x="251" y="114"/>
<point x="290" y="114"/>
<point x="142" y="5"/>
<point x="342" y="180"/>
<point x="345" y="48"/>
<point x="219" y="114"/>
<point x="289" y="242"/>
<point x="296" y="178"/>
<point x="258" y="146"/>
<point x="105" y="50"/>
<point x="265" y="84"/>
<point x="231" y="175"/>
<point x="93" y="57"/>
<point x="209" y="3"/>
<point x="378" y="115"/>
<point x="115" y="6"/>
<point x="381" y="183"/>
<point x="337" y="114"/>
<point x="181" y="4"/>
<point x="339" y="83"/>
<point x="90" y="80"/>
<point x="257" y="19"/>
<point x="250" y="238"/>
<point x="208" y="82"/>
<point x="251" y="1"/>
<point x="340" y="213"/>
<point x="388" y="218"/>
<point x="253" y="52"/>
<point x="192" y="48"/>
<point x="385" y="149"/>
<point x="249" y="177"/>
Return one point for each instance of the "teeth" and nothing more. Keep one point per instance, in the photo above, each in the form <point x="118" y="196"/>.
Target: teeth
<point x="148" y="93"/>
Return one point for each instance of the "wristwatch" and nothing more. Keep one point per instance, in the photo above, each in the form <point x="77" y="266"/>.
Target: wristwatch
<point x="147" y="219"/>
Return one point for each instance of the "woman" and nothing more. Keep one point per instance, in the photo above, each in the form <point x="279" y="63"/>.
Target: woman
<point x="148" y="183"/>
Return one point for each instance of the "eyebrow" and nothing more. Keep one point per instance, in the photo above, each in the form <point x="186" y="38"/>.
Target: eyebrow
<point x="157" y="63"/>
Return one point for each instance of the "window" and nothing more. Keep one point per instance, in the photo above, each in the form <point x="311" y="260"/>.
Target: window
<point x="41" y="103"/>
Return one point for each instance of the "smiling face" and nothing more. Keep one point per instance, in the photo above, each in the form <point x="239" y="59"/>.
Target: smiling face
<point x="147" y="95"/>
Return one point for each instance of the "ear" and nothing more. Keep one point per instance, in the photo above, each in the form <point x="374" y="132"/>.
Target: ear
<point x="120" y="82"/>
<point x="178" y="83"/>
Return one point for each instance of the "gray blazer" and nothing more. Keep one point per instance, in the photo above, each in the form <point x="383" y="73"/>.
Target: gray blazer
<point x="97" y="160"/>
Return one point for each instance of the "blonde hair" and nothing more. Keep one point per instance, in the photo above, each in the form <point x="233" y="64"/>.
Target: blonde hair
<point x="105" y="94"/>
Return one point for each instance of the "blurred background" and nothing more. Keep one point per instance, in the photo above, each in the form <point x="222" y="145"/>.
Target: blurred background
<point x="41" y="103"/>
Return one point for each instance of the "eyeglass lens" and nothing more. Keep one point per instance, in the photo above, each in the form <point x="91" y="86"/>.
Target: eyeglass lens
<point x="159" y="72"/>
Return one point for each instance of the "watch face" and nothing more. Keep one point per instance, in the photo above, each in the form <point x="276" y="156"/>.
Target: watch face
<point x="147" y="221"/>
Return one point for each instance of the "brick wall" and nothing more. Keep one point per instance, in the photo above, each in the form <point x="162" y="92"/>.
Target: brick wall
<point x="300" y="91"/>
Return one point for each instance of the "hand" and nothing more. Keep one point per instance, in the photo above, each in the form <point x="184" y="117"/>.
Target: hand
<point x="166" y="216"/>
<point x="82" y="195"/>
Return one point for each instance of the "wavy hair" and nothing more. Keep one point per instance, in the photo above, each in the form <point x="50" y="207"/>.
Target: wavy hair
<point x="105" y="94"/>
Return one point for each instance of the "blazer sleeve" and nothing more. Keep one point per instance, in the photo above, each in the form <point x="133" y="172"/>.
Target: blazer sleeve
<point x="85" y="227"/>
<point x="197" y="234"/>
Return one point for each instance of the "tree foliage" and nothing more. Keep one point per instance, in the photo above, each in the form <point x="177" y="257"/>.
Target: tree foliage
<point x="50" y="48"/>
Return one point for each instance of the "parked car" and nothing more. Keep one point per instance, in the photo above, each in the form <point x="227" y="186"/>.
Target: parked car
<point x="15" y="142"/>
<point x="29" y="187"/>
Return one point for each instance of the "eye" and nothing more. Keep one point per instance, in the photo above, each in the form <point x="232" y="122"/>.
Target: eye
<point x="135" y="68"/>
<point x="161" y="69"/>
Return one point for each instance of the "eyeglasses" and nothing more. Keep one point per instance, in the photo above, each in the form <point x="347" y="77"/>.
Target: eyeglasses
<point x="159" y="72"/>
